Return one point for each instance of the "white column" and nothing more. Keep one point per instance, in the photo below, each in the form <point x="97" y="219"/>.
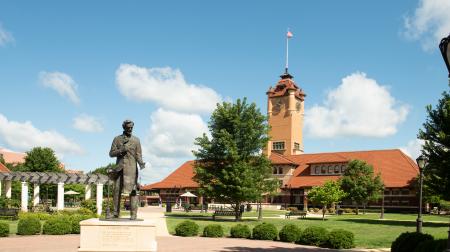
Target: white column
<point x="24" y="197"/>
<point x="60" y="201"/>
<point x="36" y="195"/>
<point x="88" y="192"/>
<point x="8" y="189"/>
<point x="99" y="198"/>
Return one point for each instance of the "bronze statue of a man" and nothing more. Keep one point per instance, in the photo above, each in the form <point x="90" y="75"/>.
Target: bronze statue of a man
<point x="127" y="149"/>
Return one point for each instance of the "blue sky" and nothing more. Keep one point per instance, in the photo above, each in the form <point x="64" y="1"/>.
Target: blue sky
<point x="71" y="72"/>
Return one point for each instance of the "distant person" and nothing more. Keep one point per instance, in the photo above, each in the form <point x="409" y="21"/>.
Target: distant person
<point x="127" y="149"/>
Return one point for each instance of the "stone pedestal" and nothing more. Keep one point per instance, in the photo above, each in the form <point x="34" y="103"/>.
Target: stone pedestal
<point x="121" y="235"/>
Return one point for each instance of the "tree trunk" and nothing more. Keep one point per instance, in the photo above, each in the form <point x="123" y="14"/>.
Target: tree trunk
<point x="323" y="212"/>
<point x="357" y="210"/>
<point x="237" y="214"/>
<point x="364" y="208"/>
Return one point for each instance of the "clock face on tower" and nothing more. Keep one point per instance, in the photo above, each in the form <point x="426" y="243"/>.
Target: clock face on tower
<point x="277" y="102"/>
<point x="298" y="106"/>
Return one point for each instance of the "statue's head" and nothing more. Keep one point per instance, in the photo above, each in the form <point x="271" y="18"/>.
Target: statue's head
<point x="127" y="126"/>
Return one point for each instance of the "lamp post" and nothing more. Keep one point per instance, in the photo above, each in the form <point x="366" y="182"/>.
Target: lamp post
<point x="421" y="163"/>
<point x="444" y="46"/>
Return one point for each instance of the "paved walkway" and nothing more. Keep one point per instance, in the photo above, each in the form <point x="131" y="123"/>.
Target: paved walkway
<point x="166" y="242"/>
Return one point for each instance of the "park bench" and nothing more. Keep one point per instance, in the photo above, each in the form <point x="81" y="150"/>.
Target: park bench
<point x="12" y="213"/>
<point x="302" y="214"/>
<point x="223" y="213"/>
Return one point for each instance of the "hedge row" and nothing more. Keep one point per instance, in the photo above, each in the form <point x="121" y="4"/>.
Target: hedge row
<point x="317" y="236"/>
<point x="57" y="224"/>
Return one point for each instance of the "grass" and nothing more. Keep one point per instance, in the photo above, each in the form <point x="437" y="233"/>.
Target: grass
<point x="369" y="230"/>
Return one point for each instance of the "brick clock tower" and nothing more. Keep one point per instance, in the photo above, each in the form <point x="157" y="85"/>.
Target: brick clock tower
<point x="285" y="109"/>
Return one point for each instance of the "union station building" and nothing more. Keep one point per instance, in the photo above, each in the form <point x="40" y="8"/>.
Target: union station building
<point x="297" y="171"/>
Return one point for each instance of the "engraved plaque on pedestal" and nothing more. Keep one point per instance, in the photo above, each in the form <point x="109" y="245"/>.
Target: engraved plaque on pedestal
<point x="123" y="235"/>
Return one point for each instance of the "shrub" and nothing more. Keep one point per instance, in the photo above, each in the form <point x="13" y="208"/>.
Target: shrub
<point x="265" y="231"/>
<point x="407" y="241"/>
<point x="75" y="222"/>
<point x="290" y="233"/>
<point x="348" y="210"/>
<point x="89" y="204"/>
<point x="57" y="225"/>
<point x="41" y="216"/>
<point x="313" y="235"/>
<point x="213" y="230"/>
<point x="29" y="225"/>
<point x="85" y="211"/>
<point x="4" y="229"/>
<point x="331" y="210"/>
<point x="186" y="228"/>
<point x="292" y="209"/>
<point x="432" y="246"/>
<point x="316" y="210"/>
<point x="341" y="239"/>
<point x="240" y="231"/>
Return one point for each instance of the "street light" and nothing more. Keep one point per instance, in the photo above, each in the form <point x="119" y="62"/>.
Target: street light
<point x="444" y="46"/>
<point x="421" y="163"/>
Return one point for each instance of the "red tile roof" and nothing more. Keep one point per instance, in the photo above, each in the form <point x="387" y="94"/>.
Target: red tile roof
<point x="181" y="177"/>
<point x="282" y="88"/>
<point x="277" y="158"/>
<point x="397" y="169"/>
<point x="13" y="157"/>
<point x="3" y="168"/>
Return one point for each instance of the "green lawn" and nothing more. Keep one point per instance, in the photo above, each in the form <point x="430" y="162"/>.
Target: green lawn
<point x="370" y="232"/>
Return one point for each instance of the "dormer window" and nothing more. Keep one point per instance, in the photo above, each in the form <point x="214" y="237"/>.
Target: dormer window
<point x="327" y="168"/>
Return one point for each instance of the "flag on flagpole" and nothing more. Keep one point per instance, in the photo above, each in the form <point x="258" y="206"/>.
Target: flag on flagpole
<point x="289" y="34"/>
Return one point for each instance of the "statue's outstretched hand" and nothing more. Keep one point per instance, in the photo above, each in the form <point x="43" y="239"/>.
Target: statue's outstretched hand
<point x="142" y="166"/>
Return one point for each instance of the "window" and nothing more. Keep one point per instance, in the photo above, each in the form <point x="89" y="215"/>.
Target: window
<point x="296" y="146"/>
<point x="280" y="170"/>
<point x="337" y="169"/>
<point x="330" y="169"/>
<point x="278" y="146"/>
<point x="317" y="169"/>
<point x="274" y="170"/>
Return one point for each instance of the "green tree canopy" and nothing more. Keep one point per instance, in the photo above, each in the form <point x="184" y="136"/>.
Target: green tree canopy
<point x="360" y="183"/>
<point x="103" y="170"/>
<point x="436" y="134"/>
<point x="41" y="159"/>
<point x="2" y="160"/>
<point x="327" y="194"/>
<point x="230" y="166"/>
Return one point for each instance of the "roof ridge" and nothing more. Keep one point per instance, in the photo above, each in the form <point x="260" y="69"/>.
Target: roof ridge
<point x="284" y="157"/>
<point x="338" y="152"/>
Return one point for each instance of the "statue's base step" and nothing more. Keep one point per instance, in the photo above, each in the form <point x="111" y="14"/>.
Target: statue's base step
<point x="117" y="235"/>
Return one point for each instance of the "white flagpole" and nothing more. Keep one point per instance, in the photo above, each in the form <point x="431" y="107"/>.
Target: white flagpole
<point x="287" y="52"/>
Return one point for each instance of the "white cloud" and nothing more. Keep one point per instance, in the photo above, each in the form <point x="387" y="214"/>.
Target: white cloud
<point x="5" y="36"/>
<point x="61" y="83"/>
<point x="413" y="148"/>
<point x="87" y="123"/>
<point x="170" y="141"/>
<point x="359" y="106"/>
<point x="24" y="136"/>
<point x="165" y="86"/>
<point x="430" y="23"/>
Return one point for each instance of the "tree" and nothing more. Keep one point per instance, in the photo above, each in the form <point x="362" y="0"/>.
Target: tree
<point x="327" y="194"/>
<point x="360" y="184"/>
<point x="104" y="169"/>
<point x="230" y="167"/>
<point x="2" y="159"/>
<point x="436" y="134"/>
<point x="40" y="159"/>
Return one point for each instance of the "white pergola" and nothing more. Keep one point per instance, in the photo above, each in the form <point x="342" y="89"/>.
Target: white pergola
<point x="38" y="178"/>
